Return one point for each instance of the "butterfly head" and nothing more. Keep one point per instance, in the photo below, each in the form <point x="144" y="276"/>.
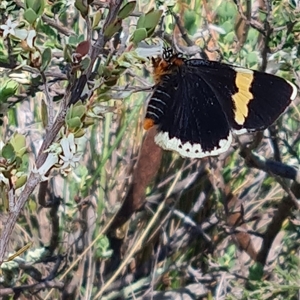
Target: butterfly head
<point x="168" y="54"/>
<point x="172" y="57"/>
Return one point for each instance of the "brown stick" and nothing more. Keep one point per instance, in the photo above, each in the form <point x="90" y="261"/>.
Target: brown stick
<point x="146" y="168"/>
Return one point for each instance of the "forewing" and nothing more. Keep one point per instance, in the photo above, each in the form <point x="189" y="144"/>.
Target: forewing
<point x="252" y="100"/>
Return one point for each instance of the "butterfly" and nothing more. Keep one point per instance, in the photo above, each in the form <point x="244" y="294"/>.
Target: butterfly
<point x="197" y="104"/>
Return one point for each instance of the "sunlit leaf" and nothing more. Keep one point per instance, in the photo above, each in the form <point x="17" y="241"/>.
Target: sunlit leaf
<point x="30" y="15"/>
<point x="18" y="141"/>
<point x="82" y="7"/>
<point x="20" y="181"/>
<point x="139" y="35"/>
<point x="127" y="9"/>
<point x="112" y="29"/>
<point x="8" y="152"/>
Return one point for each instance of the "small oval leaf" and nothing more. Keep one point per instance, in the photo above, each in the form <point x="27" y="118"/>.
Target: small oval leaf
<point x="152" y="18"/>
<point x="8" y="89"/>
<point x="96" y="19"/>
<point x="126" y="10"/>
<point x="46" y="58"/>
<point x="20" y="181"/>
<point x="82" y="7"/>
<point x="85" y="63"/>
<point x="8" y="152"/>
<point x="112" y="29"/>
<point x="78" y="111"/>
<point x="74" y="123"/>
<point x="139" y="35"/>
<point x="30" y="16"/>
<point x="140" y="22"/>
<point x="68" y="53"/>
<point x="83" y="48"/>
<point x="18" y="141"/>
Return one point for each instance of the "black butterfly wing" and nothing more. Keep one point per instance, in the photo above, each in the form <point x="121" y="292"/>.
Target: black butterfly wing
<point x="190" y="119"/>
<point x="252" y="100"/>
<point x="199" y="102"/>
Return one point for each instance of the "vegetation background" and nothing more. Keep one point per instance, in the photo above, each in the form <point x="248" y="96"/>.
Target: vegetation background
<point x="89" y="208"/>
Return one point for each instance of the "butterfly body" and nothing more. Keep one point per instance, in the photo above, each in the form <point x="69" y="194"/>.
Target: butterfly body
<point x="197" y="103"/>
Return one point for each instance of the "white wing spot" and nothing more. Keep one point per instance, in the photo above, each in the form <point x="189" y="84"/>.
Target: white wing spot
<point x="187" y="149"/>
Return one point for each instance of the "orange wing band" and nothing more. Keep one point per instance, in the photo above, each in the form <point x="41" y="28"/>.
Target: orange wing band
<point x="148" y="123"/>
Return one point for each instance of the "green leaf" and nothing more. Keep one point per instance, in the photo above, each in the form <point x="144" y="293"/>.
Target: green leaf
<point x="139" y="35"/>
<point x="20" y="181"/>
<point x="73" y="40"/>
<point x="148" y="22"/>
<point x="8" y="152"/>
<point x="141" y="22"/>
<point x="32" y="205"/>
<point x="85" y="63"/>
<point x="113" y="28"/>
<point x="79" y="133"/>
<point x="96" y="19"/>
<point x="102" y="248"/>
<point x="252" y="37"/>
<point x="18" y="141"/>
<point x="68" y="51"/>
<point x="112" y="81"/>
<point x="39" y="6"/>
<point x="121" y="68"/>
<point x="228" y="26"/>
<point x="57" y="8"/>
<point x="150" y="31"/>
<point x="74" y="123"/>
<point x="78" y="111"/>
<point x="152" y="18"/>
<point x="227" y="10"/>
<point x="252" y="59"/>
<point x="82" y="7"/>
<point x="256" y="271"/>
<point x="8" y="90"/>
<point x="189" y="19"/>
<point x="126" y="10"/>
<point x="230" y="37"/>
<point x="30" y="16"/>
<point x="46" y="58"/>
<point x="36" y="5"/>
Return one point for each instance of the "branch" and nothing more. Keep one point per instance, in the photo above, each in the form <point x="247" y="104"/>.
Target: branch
<point x="32" y="287"/>
<point x="255" y="24"/>
<point x="283" y="211"/>
<point x="271" y="167"/>
<point x="146" y="168"/>
<point x="242" y="27"/>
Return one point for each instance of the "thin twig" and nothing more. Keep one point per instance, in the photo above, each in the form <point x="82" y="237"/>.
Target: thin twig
<point x="255" y="24"/>
<point x="33" y="288"/>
